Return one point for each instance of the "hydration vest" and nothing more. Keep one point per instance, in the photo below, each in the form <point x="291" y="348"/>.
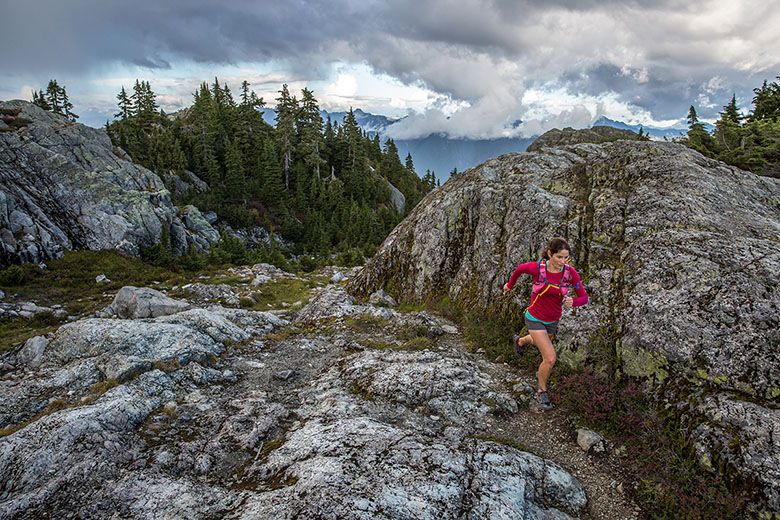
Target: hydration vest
<point x="542" y="284"/>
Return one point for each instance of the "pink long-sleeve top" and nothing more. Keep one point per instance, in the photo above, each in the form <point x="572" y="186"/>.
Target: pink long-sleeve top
<point x="547" y="306"/>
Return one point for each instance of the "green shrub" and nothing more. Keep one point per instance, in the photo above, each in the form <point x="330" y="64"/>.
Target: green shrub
<point x="12" y="275"/>
<point x="488" y="333"/>
<point x="449" y="309"/>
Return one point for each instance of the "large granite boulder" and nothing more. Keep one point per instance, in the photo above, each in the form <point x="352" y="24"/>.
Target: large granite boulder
<point x="681" y="258"/>
<point x="64" y="186"/>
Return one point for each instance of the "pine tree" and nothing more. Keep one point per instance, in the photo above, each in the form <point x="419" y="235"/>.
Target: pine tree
<point x="125" y="105"/>
<point x="54" y="96"/>
<point x="235" y="181"/>
<point x="731" y="112"/>
<point x="410" y="163"/>
<point x="286" y="113"/>
<point x="692" y="117"/>
<point x="698" y="138"/>
<point x="39" y="98"/>
<point x="273" y="192"/>
<point x="310" y="137"/>
<point x="766" y="102"/>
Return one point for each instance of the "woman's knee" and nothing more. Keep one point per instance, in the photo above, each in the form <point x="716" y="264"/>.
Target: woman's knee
<point x="550" y="359"/>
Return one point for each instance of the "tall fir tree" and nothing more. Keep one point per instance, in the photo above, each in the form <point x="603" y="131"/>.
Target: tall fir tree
<point x="286" y="114"/>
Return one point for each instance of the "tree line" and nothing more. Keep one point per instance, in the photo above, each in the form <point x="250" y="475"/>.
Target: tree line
<point x="750" y="142"/>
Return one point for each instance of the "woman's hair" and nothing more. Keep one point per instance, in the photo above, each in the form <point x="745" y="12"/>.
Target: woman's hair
<point x="556" y="245"/>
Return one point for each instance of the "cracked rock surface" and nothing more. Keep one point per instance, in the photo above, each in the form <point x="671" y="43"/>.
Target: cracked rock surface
<point x="680" y="255"/>
<point x="185" y="416"/>
<point x="63" y="186"/>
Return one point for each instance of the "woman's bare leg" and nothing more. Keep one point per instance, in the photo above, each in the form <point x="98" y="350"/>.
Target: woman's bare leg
<point x="542" y="341"/>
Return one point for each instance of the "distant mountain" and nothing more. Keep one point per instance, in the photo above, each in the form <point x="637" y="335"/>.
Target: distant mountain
<point x="441" y="154"/>
<point x="669" y="132"/>
<point x="366" y="121"/>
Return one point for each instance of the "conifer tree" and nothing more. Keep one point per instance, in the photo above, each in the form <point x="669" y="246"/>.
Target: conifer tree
<point x="692" y="117"/>
<point x="54" y="96"/>
<point x="766" y="102"/>
<point x="286" y="113"/>
<point x="409" y="163"/>
<point x="310" y="131"/>
<point x="235" y="181"/>
<point x="731" y="111"/>
<point x="39" y="98"/>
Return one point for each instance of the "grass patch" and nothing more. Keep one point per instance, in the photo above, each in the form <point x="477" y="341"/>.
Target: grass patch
<point x="358" y="388"/>
<point x="449" y="309"/>
<point x="167" y="366"/>
<point x="283" y="334"/>
<point x="490" y="334"/>
<point x="418" y="343"/>
<point x="365" y="322"/>
<point x="72" y="278"/>
<point x="233" y="281"/>
<point x="506" y="441"/>
<point x="16" y="331"/>
<point x="70" y="281"/>
<point x="288" y="291"/>
<point x="55" y="405"/>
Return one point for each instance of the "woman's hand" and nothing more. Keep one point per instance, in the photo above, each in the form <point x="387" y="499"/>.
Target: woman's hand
<point x="506" y="288"/>
<point x="569" y="301"/>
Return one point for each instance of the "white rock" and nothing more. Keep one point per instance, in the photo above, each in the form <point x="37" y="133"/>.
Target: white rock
<point x="32" y="351"/>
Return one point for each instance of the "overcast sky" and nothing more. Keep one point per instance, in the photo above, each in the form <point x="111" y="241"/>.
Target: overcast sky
<point x="467" y="68"/>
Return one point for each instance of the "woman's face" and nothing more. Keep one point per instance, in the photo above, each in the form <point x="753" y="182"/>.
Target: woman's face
<point x="558" y="260"/>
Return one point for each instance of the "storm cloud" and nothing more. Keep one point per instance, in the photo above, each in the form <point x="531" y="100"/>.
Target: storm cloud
<point x="489" y="63"/>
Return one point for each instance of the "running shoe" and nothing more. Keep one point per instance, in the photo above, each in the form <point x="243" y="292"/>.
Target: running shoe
<point x="544" y="400"/>
<point x="519" y="349"/>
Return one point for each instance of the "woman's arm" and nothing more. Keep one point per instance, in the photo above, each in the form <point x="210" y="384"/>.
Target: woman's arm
<point x="582" y="296"/>
<point x="526" y="268"/>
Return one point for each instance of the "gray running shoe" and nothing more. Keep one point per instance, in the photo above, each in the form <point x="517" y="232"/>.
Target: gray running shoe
<point x="544" y="400"/>
<point x="519" y="349"/>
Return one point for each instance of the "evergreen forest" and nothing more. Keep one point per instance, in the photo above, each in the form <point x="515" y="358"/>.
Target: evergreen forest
<point x="323" y="186"/>
<point x="750" y="142"/>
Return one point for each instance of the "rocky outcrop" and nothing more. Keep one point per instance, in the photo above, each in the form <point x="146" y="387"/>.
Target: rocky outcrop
<point x="397" y="198"/>
<point x="681" y="258"/>
<point x="64" y="186"/>
<point x="204" y="414"/>
<point x="567" y="136"/>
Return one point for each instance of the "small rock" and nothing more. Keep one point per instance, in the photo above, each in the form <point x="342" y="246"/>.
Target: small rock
<point x="32" y="351"/>
<point x="101" y="278"/>
<point x="449" y="329"/>
<point x="338" y="277"/>
<point x="435" y="332"/>
<point x="587" y="440"/>
<point x="259" y="280"/>
<point x="285" y="375"/>
<point x="42" y="265"/>
<point x="382" y="298"/>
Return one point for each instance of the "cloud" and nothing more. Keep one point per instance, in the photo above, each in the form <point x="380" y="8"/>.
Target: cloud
<point x="476" y="55"/>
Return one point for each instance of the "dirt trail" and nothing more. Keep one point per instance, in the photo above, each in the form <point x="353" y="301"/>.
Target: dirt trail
<point x="550" y="436"/>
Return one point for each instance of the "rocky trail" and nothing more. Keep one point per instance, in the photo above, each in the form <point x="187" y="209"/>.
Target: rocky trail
<point x="339" y="409"/>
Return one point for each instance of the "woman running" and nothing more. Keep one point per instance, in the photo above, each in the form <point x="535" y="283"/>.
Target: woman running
<point x="552" y="280"/>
